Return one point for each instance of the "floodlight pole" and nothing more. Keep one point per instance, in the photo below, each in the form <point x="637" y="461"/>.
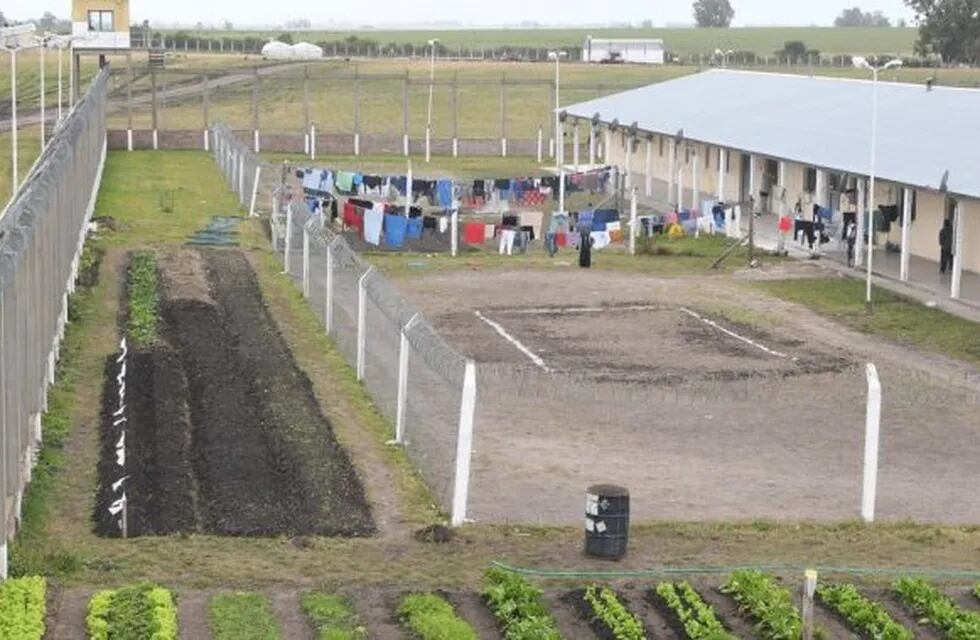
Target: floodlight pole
<point x="557" y="55"/>
<point x="60" y="74"/>
<point x="862" y="63"/>
<point x="432" y="79"/>
<point x="13" y="118"/>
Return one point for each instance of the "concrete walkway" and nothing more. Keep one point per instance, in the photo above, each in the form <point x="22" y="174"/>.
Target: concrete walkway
<point x="925" y="282"/>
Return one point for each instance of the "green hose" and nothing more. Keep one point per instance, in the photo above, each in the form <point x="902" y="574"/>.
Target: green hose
<point x="947" y="574"/>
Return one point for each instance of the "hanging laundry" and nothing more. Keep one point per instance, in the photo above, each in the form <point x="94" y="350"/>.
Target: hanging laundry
<point x="474" y="233"/>
<point x="533" y="219"/>
<point x="395" y="230"/>
<point x="600" y="240"/>
<point x="344" y="182"/>
<point x="445" y="191"/>
<point x="373" y="221"/>
<point x="352" y="217"/>
<point x="413" y="229"/>
<point x="311" y="180"/>
<point x="326" y="181"/>
<point x="507" y="237"/>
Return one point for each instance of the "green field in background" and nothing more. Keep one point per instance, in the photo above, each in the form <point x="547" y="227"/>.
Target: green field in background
<point x="680" y="41"/>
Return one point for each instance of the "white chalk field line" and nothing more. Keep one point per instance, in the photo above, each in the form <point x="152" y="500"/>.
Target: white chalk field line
<point x="727" y="332"/>
<point x="533" y="357"/>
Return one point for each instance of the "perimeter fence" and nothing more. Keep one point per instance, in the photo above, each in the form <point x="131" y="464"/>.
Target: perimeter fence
<point x="422" y="386"/>
<point x="42" y="232"/>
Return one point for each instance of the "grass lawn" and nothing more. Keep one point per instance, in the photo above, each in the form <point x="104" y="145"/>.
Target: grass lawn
<point x="895" y="317"/>
<point x="57" y="538"/>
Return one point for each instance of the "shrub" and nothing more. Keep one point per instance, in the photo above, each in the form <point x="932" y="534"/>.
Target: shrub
<point x="696" y="616"/>
<point x="865" y="616"/>
<point x="429" y="617"/>
<point x="767" y="603"/>
<point x="140" y="612"/>
<point x="938" y="609"/>
<point x="22" y="608"/>
<point x="333" y="617"/>
<point x="517" y="605"/>
<point x="613" y="614"/>
<point x="143" y="300"/>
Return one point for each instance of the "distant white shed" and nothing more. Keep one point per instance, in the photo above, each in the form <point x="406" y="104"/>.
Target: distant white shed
<point x="613" y="50"/>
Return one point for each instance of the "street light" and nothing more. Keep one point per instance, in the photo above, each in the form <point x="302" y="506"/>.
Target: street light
<point x="862" y="63"/>
<point x="432" y="79"/>
<point x="559" y="142"/>
<point x="60" y="43"/>
<point x="12" y="39"/>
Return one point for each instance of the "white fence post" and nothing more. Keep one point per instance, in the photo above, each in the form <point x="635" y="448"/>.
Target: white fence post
<point x="241" y="178"/>
<point x="306" y="262"/>
<point x="871" y="438"/>
<point x="464" y="445"/>
<point x="328" y="312"/>
<point x="312" y="142"/>
<point x="540" y="143"/>
<point x="362" y="322"/>
<point x="403" y="350"/>
<point x="454" y="231"/>
<point x="633" y="229"/>
<point x="255" y="191"/>
<point x="289" y="238"/>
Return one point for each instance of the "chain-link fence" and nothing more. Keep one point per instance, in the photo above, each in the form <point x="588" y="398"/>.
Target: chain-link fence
<point x="41" y="236"/>
<point x="423" y="387"/>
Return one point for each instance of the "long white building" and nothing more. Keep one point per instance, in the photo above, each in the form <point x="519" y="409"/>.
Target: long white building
<point x="779" y="139"/>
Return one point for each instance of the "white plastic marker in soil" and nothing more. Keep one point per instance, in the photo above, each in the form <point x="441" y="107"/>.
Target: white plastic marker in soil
<point x="727" y="332"/>
<point x="533" y="357"/>
<point x="118" y="507"/>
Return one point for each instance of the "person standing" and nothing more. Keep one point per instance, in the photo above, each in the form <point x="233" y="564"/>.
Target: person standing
<point x="946" y="246"/>
<point x="850" y="237"/>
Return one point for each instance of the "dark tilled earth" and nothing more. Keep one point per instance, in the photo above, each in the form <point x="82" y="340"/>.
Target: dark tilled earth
<point x="224" y="434"/>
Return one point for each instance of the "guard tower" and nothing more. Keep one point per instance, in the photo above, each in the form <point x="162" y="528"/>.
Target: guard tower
<point x="99" y="27"/>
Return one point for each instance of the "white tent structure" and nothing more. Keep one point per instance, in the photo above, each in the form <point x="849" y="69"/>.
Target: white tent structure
<point x="306" y="51"/>
<point x="277" y="51"/>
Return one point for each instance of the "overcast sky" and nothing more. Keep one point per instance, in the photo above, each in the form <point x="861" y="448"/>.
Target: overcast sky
<point x="388" y="12"/>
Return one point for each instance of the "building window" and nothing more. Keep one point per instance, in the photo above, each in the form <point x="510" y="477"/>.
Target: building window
<point x="100" y="21"/>
<point x="810" y="180"/>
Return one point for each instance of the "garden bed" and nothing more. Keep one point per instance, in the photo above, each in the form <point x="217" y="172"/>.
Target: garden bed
<point x="224" y="435"/>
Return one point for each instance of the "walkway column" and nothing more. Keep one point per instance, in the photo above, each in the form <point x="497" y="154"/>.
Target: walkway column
<point x="575" y="148"/>
<point x="821" y="193"/>
<point x="862" y="225"/>
<point x="648" y="170"/>
<point x="694" y="182"/>
<point x="591" y="145"/>
<point x="628" y="182"/>
<point x="722" y="161"/>
<point x="957" y="251"/>
<point x="752" y="194"/>
<point x="606" y="144"/>
<point x="906" y="231"/>
<point x="671" y="170"/>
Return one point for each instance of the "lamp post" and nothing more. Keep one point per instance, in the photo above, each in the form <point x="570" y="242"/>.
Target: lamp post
<point x="432" y="79"/>
<point x="862" y="63"/>
<point x="12" y="39"/>
<point x="557" y="55"/>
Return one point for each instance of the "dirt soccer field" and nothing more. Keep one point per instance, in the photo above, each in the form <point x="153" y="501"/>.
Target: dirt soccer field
<point x="707" y="399"/>
<point x="224" y="434"/>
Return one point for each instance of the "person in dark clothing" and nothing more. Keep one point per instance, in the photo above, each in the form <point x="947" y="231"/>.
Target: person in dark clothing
<point x="946" y="246"/>
<point x="585" y="252"/>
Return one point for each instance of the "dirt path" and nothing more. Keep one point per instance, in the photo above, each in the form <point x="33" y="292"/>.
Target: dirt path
<point x="286" y="608"/>
<point x="66" y="614"/>
<point x="471" y="608"/>
<point x="637" y="600"/>
<point x="377" y="610"/>
<point x="726" y="610"/>
<point x="570" y="625"/>
<point x="902" y="615"/>
<point x="193" y="615"/>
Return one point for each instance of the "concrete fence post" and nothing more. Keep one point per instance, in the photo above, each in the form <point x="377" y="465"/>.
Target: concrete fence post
<point x="312" y="142"/>
<point x="540" y="143"/>
<point x="464" y="445"/>
<point x="306" y="262"/>
<point x="328" y="311"/>
<point x="906" y="232"/>
<point x="362" y="322"/>
<point x="957" y="251"/>
<point x="255" y="191"/>
<point x="454" y="232"/>
<point x="871" y="438"/>
<point x="289" y="239"/>
<point x="403" y="352"/>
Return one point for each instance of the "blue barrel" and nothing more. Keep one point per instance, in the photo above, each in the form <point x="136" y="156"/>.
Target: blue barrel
<point x="607" y="521"/>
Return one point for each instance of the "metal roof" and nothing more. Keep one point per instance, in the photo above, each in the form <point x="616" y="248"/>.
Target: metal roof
<point x="820" y="121"/>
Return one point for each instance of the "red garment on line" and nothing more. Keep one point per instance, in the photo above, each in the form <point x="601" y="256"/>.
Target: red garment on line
<point x="474" y="233"/>
<point x="353" y="217"/>
<point x="561" y="239"/>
